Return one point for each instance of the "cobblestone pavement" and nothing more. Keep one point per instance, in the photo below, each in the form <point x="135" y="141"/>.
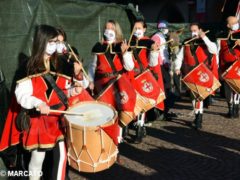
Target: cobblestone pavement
<point x="173" y="150"/>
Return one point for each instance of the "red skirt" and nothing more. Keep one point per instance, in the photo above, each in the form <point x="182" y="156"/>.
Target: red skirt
<point x="44" y="132"/>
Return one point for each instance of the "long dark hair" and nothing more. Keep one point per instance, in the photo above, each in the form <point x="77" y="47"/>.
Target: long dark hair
<point x="43" y="33"/>
<point x="140" y="20"/>
<point x="62" y="32"/>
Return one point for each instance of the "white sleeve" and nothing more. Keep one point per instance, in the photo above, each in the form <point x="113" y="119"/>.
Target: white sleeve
<point x="218" y="49"/>
<point x="179" y="59"/>
<point x="128" y="63"/>
<point x="23" y="92"/>
<point x="92" y="68"/>
<point x="218" y="45"/>
<point x="212" y="47"/>
<point x="84" y="82"/>
<point x="153" y="58"/>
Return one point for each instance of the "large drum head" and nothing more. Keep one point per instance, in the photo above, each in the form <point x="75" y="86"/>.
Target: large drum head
<point x="90" y="138"/>
<point x="94" y="114"/>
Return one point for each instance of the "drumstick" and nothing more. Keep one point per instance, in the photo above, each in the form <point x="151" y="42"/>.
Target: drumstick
<point x="84" y="72"/>
<point x="234" y="46"/>
<point x="66" y="112"/>
<point x="76" y="58"/>
<point x="130" y="38"/>
<point x="195" y="37"/>
<point x="164" y="44"/>
<point x="171" y="40"/>
<point x="223" y="6"/>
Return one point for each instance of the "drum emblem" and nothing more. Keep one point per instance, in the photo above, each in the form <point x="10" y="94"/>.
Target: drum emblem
<point x="147" y="87"/>
<point x="123" y="97"/>
<point x="204" y="77"/>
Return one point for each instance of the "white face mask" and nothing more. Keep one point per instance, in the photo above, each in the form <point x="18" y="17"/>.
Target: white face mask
<point x="110" y="35"/>
<point x="61" y="48"/>
<point x="165" y="31"/>
<point x="235" y="27"/>
<point x="51" y="48"/>
<point x="139" y="33"/>
<point x="194" y="34"/>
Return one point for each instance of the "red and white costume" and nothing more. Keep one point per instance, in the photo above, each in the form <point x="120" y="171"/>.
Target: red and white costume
<point x="228" y="55"/>
<point x="144" y="58"/>
<point x="204" y="51"/>
<point x="44" y="131"/>
<point x="107" y="63"/>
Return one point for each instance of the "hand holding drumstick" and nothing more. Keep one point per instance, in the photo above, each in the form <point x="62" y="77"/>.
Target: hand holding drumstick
<point x="43" y="108"/>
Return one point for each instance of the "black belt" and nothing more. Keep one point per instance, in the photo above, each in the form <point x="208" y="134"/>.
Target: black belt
<point x="56" y="106"/>
<point x="138" y="71"/>
<point x="109" y="75"/>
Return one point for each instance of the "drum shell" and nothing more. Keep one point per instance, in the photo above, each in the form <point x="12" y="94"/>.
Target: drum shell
<point x="122" y="95"/>
<point x="232" y="76"/>
<point x="149" y="90"/>
<point x="90" y="149"/>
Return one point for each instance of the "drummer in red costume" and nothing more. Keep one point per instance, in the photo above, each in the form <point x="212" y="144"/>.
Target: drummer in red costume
<point x="146" y="54"/>
<point x="228" y="55"/>
<point x="37" y="92"/>
<point x="110" y="57"/>
<point x="68" y="65"/>
<point x="190" y="55"/>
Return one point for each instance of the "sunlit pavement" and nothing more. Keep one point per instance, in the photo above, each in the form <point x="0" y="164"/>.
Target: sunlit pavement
<point x="173" y="150"/>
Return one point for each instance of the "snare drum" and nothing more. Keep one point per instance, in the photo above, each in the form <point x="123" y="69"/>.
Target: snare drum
<point x="148" y="88"/>
<point x="201" y="82"/>
<point x="121" y="95"/>
<point x="90" y="147"/>
<point x="232" y="76"/>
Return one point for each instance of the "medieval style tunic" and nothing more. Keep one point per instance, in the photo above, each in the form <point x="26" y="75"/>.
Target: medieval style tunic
<point x="227" y="54"/>
<point x="144" y="58"/>
<point x="199" y="51"/>
<point x="191" y="55"/>
<point x="44" y="130"/>
<point x="108" y="62"/>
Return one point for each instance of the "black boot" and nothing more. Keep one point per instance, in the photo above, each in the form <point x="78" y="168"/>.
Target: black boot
<point x="125" y="132"/>
<point x="235" y="110"/>
<point x="230" y="110"/>
<point x="139" y="135"/>
<point x="159" y="115"/>
<point x="206" y="102"/>
<point x="197" y="124"/>
<point x="144" y="131"/>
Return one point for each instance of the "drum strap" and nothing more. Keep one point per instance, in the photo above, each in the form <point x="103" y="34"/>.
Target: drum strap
<point x="110" y="58"/>
<point x="110" y="75"/>
<point x="109" y="83"/>
<point x="230" y="44"/>
<point x="209" y="57"/>
<point x="193" y="49"/>
<point x="135" y="53"/>
<point x="63" y="98"/>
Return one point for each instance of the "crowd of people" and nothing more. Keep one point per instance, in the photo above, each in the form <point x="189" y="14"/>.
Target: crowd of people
<point x="139" y="69"/>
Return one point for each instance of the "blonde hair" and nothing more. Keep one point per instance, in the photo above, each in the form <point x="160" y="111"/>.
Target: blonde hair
<point x="118" y="30"/>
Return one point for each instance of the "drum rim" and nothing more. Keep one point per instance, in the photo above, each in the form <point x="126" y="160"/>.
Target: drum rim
<point x="111" y="122"/>
<point x="145" y="71"/>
